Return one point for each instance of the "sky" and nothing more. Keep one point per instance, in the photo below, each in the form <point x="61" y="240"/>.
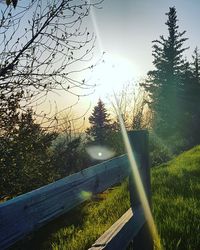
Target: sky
<point x="125" y="30"/>
<point x="127" y="27"/>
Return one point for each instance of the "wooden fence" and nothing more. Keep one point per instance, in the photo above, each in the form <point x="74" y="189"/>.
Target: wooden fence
<point x="28" y="212"/>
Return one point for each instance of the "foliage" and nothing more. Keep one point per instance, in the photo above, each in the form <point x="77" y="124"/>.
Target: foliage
<point x="100" y="124"/>
<point x="133" y="108"/>
<point x="116" y="142"/>
<point x="191" y="103"/>
<point x="196" y="64"/>
<point x="25" y="162"/>
<point x="68" y="154"/>
<point x="173" y="88"/>
<point x="163" y="150"/>
<point x="103" y="131"/>
<point x="164" y="84"/>
<point x="32" y="157"/>
<point x="43" y="43"/>
<point x="159" y="150"/>
<point x="14" y="2"/>
<point x="9" y="113"/>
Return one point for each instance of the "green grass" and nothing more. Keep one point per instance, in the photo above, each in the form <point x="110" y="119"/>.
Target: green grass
<point x="176" y="201"/>
<point x="176" y="209"/>
<point x="80" y="228"/>
<point x="98" y="217"/>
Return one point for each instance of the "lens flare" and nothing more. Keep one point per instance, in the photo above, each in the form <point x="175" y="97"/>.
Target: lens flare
<point x="98" y="152"/>
<point x="138" y="181"/>
<point x="85" y="195"/>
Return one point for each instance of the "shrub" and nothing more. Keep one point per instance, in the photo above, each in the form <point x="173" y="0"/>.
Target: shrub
<point x="160" y="152"/>
<point x="68" y="154"/>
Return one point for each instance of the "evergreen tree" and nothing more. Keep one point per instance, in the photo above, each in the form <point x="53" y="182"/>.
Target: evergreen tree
<point x="100" y="124"/>
<point x="196" y="65"/>
<point x="192" y="100"/>
<point x="164" y="84"/>
<point x="25" y="162"/>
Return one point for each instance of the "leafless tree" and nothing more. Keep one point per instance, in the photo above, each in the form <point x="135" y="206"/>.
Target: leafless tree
<point x="13" y="2"/>
<point x="43" y="46"/>
<point x="132" y="104"/>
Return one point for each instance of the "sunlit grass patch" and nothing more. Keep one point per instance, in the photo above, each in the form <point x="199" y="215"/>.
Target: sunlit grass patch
<point x="80" y="228"/>
<point x="99" y="215"/>
<point x="176" y="201"/>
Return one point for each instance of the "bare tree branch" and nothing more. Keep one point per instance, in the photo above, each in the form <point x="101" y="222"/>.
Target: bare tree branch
<point x="43" y="48"/>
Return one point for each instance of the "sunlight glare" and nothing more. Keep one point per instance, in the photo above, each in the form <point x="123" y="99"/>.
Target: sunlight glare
<point x="111" y="73"/>
<point x="138" y="181"/>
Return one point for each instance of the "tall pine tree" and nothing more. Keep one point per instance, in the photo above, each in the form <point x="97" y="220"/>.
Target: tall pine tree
<point x="164" y="84"/>
<point x="192" y="100"/>
<point x="100" y="124"/>
<point x="196" y="65"/>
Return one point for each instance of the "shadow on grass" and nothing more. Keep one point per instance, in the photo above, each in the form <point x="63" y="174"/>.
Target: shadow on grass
<point x="174" y="185"/>
<point x="52" y="233"/>
<point x="39" y="239"/>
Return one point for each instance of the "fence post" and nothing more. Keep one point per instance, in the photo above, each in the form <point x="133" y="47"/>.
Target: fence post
<point x="140" y="147"/>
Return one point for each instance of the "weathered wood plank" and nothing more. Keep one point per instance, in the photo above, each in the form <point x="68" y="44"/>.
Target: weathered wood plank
<point x="139" y="143"/>
<point x="121" y="232"/>
<point x="25" y="213"/>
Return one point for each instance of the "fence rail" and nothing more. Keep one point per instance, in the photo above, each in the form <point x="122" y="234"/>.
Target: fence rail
<point x="122" y="231"/>
<point x="28" y="212"/>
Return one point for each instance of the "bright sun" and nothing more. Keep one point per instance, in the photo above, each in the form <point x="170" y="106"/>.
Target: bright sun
<point x="112" y="74"/>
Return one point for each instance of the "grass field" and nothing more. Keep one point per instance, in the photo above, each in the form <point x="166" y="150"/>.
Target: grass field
<point x="176" y="209"/>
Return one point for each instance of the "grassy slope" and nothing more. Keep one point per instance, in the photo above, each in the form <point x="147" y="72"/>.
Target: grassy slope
<point x="98" y="217"/>
<point x="176" y="208"/>
<point x="176" y="201"/>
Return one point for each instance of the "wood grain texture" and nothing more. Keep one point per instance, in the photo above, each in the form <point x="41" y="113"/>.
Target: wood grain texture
<point x="25" y="213"/>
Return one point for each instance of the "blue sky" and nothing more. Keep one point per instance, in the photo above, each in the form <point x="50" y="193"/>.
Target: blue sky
<point x="125" y="30"/>
<point x="127" y="27"/>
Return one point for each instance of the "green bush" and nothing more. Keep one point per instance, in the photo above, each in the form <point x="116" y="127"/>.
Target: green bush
<point x="24" y="158"/>
<point x="68" y="154"/>
<point x="159" y="151"/>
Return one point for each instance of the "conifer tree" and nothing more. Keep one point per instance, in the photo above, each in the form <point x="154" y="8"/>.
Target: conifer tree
<point x="192" y="100"/>
<point x="24" y="153"/>
<point x="164" y="84"/>
<point x="100" y="124"/>
<point x="196" y="65"/>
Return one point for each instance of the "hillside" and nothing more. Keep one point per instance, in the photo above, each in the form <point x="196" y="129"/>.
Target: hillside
<point x="176" y="203"/>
